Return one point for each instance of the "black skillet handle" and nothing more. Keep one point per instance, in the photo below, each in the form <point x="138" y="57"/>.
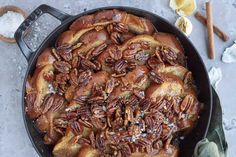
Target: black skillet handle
<point x="42" y="9"/>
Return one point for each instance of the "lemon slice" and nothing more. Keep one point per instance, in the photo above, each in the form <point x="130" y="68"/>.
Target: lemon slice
<point x="185" y="25"/>
<point x="177" y="4"/>
<point x="187" y="9"/>
<point x="183" y="7"/>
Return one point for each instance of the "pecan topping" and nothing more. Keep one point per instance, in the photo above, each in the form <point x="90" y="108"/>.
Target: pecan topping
<point x="110" y="28"/>
<point x="48" y="102"/>
<point x="83" y="111"/>
<point x="81" y="99"/>
<point x="114" y="52"/>
<point x="141" y="79"/>
<point x="110" y="61"/>
<point x="97" y="123"/>
<point x="98" y="65"/>
<point x="84" y="141"/>
<point x="54" y="53"/>
<point x="145" y="45"/>
<point x="84" y="77"/>
<point x="110" y="85"/>
<point x="125" y="150"/>
<point x="75" y="62"/>
<point x="188" y="79"/>
<point x="154" y="63"/>
<point x="116" y="38"/>
<point x="120" y="66"/>
<point x="69" y="115"/>
<point x="99" y="141"/>
<point x="121" y="27"/>
<point x="62" y="66"/>
<point x="86" y="123"/>
<point x="145" y="104"/>
<point x="129" y="54"/>
<point x="74" y="76"/>
<point x="62" y="78"/>
<point x="141" y="56"/>
<point x="186" y="103"/>
<point x="139" y="93"/>
<point x="131" y="66"/>
<point x="98" y="50"/>
<point x="155" y="77"/>
<point x="170" y="56"/>
<point x="58" y="103"/>
<point x="77" y="129"/>
<point x="65" y="52"/>
<point x="117" y="93"/>
<point x="87" y="64"/>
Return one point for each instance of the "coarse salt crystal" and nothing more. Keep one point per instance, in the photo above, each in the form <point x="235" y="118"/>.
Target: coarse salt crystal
<point x="9" y="22"/>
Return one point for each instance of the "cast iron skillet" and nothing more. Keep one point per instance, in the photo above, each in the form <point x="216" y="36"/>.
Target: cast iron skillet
<point x="195" y="64"/>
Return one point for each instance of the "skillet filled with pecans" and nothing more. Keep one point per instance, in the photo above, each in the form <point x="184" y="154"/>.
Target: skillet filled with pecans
<point x="113" y="86"/>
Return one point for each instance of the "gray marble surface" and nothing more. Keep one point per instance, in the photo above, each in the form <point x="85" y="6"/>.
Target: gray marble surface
<point x="14" y="141"/>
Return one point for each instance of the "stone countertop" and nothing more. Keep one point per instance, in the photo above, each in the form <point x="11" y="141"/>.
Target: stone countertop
<point x="14" y="141"/>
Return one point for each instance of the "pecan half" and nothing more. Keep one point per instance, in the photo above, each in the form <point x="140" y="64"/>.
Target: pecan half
<point x="65" y="52"/>
<point x="62" y="66"/>
<point x="84" y="77"/>
<point x="155" y="77"/>
<point x="121" y="27"/>
<point x="98" y="65"/>
<point x="97" y="123"/>
<point x="84" y="141"/>
<point x="131" y="66"/>
<point x="114" y="52"/>
<point x="139" y="93"/>
<point x="145" y="45"/>
<point x="129" y="54"/>
<point x="62" y="78"/>
<point x="86" y="123"/>
<point x="141" y="79"/>
<point x="99" y="141"/>
<point x="98" y="111"/>
<point x="125" y="150"/>
<point x="110" y="85"/>
<point x="87" y="64"/>
<point x="98" y="50"/>
<point x="75" y="62"/>
<point x="74" y="76"/>
<point x="58" y="103"/>
<point x="116" y="38"/>
<point x="145" y="104"/>
<point x="54" y="53"/>
<point x="96" y="99"/>
<point x="141" y="56"/>
<point x="81" y="99"/>
<point x="120" y="66"/>
<point x="186" y="103"/>
<point x="154" y="63"/>
<point x="83" y="111"/>
<point x="76" y="128"/>
<point x="47" y="103"/>
<point x="110" y="28"/>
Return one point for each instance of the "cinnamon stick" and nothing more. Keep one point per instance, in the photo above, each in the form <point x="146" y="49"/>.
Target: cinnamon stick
<point x="216" y="29"/>
<point x="211" y="47"/>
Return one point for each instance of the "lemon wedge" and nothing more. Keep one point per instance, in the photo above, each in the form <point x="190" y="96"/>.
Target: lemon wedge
<point x="183" y="7"/>
<point x="185" y="25"/>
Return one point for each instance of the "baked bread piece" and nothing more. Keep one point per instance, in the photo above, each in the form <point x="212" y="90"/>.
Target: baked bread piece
<point x="113" y="86"/>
